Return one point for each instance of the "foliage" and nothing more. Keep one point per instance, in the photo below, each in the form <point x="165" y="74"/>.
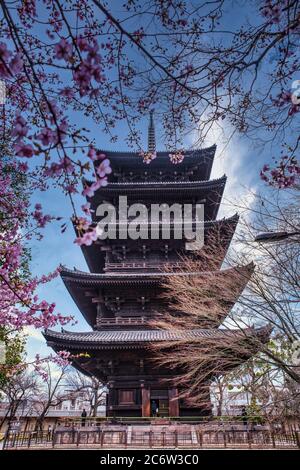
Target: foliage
<point x="14" y="354"/>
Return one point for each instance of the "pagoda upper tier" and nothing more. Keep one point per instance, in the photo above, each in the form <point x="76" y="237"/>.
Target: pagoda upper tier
<point x="120" y="299"/>
<point x="151" y="255"/>
<point x="207" y="192"/>
<point x="129" y="166"/>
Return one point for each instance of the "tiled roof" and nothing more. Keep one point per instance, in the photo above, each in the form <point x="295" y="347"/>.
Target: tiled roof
<point x="162" y="156"/>
<point x="197" y="162"/>
<point x="165" y="185"/>
<point x="98" y="339"/>
<point x="82" y="276"/>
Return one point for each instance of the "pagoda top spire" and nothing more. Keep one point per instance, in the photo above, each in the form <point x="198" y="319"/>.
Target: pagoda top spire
<point x="151" y="134"/>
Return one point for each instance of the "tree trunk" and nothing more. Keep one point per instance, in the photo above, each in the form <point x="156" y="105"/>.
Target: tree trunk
<point x="39" y="421"/>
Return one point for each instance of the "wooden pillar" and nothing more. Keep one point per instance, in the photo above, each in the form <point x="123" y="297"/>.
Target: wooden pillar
<point x="145" y="402"/>
<point x="111" y="397"/>
<point x="173" y="402"/>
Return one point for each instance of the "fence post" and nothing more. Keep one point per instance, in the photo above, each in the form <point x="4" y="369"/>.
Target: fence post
<point x="53" y="438"/>
<point x="273" y="439"/>
<point x="297" y="434"/>
<point x="6" y="438"/>
<point x="29" y="439"/>
<point x="163" y="438"/>
<point x="176" y="438"/>
<point x="13" y="440"/>
<point x="73" y="434"/>
<point x="224" y="438"/>
<point x="249" y="438"/>
<point x="200" y="438"/>
<point x="150" y="438"/>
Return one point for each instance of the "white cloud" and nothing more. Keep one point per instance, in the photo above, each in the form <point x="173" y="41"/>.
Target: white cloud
<point x="232" y="159"/>
<point x="33" y="333"/>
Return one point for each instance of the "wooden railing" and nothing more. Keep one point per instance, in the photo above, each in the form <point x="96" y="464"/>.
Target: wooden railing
<point x="141" y="265"/>
<point x="148" y="436"/>
<point x="122" y="321"/>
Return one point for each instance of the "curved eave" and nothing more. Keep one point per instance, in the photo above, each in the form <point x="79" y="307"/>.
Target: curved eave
<point x="208" y="192"/>
<point x="125" y="339"/>
<point x="94" y="257"/>
<point x="99" y="279"/>
<point x="161" y="186"/>
<point x="84" y="305"/>
<point x="133" y="160"/>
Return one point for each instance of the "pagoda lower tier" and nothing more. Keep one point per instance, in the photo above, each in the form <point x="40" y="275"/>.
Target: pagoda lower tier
<point x="137" y="386"/>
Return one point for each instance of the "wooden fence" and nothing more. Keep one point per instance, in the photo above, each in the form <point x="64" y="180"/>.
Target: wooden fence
<point x="172" y="437"/>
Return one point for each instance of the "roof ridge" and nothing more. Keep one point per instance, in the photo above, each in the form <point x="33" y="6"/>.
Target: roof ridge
<point x="247" y="267"/>
<point x="133" y="152"/>
<point x="146" y="335"/>
<point x="144" y="183"/>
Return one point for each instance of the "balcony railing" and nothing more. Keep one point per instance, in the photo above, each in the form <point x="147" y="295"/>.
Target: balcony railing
<point x="122" y="321"/>
<point x="141" y="265"/>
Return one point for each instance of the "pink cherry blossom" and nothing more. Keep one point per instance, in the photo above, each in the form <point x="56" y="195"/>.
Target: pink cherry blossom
<point x="82" y="43"/>
<point x="104" y="168"/>
<point x="87" y="239"/>
<point x="148" y="156"/>
<point x="90" y="190"/>
<point x="20" y="128"/>
<point x="16" y="64"/>
<point x="4" y="52"/>
<point x="86" y="208"/>
<point x="67" y="92"/>
<point x="63" y="50"/>
<point x="24" y="150"/>
<point x="46" y="136"/>
<point x="177" y="157"/>
<point x="95" y="155"/>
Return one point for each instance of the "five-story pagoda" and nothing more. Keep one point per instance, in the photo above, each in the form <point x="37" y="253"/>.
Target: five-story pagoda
<point x="122" y="292"/>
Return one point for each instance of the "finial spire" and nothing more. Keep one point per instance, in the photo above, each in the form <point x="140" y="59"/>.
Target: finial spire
<point x="151" y="134"/>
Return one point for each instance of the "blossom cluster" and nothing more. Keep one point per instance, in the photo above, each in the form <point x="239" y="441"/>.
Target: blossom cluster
<point x="273" y="10"/>
<point x="285" y="98"/>
<point x="285" y="175"/>
<point x="148" y="157"/>
<point x="11" y="63"/>
<point x="176" y="157"/>
<point x="20" y="304"/>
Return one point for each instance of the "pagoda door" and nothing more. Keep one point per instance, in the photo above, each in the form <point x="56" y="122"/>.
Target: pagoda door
<point x="145" y="402"/>
<point x="173" y="402"/>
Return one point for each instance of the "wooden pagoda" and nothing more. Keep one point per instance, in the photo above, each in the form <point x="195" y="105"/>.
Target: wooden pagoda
<point x="122" y="292"/>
